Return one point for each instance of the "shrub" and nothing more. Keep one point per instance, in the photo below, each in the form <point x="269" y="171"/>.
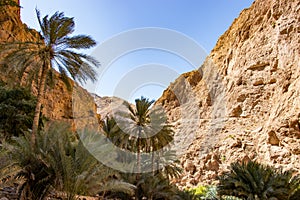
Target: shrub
<point x="16" y="111"/>
<point x="252" y="180"/>
<point x="57" y="161"/>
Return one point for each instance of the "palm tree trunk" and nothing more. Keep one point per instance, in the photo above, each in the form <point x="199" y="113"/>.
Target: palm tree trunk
<point x="157" y="160"/>
<point x="153" y="162"/>
<point x="137" y="194"/>
<point x="40" y="97"/>
<point x="139" y="158"/>
<point x="139" y="154"/>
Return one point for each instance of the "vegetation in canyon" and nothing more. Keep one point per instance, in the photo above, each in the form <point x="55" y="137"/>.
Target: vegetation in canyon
<point x="42" y="158"/>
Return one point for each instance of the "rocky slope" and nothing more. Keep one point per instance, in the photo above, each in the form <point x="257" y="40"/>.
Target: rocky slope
<point x="59" y="103"/>
<point x="244" y="102"/>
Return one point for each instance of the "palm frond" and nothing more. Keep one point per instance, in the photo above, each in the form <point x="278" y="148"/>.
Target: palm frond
<point x="80" y="42"/>
<point x="246" y="180"/>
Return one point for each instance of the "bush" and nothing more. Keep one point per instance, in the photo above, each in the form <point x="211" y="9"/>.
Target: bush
<point x="57" y="162"/>
<point x="252" y="180"/>
<point x="16" y="111"/>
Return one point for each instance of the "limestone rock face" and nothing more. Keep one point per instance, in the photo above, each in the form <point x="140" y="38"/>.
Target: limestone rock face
<point x="107" y="106"/>
<point x="12" y="28"/>
<point x="245" y="101"/>
<point x="75" y="106"/>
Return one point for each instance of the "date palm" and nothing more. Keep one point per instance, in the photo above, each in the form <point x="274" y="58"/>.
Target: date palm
<point x="119" y="138"/>
<point x="56" y="49"/>
<point x="140" y="115"/>
<point x="115" y="133"/>
<point x="161" y="135"/>
<point x="156" y="187"/>
<point x="253" y="180"/>
<point x="58" y="163"/>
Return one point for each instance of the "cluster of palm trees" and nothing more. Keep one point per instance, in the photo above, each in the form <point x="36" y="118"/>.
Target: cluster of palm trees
<point x="57" y="165"/>
<point x="141" y="129"/>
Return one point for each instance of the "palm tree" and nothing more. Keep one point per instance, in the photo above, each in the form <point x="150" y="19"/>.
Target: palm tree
<point x="161" y="135"/>
<point x="56" y="49"/>
<point x="57" y="161"/>
<point x="141" y="128"/>
<point x="252" y="180"/>
<point x="140" y="115"/>
<point x="156" y="187"/>
<point x="119" y="138"/>
<point x="115" y="133"/>
<point x="169" y="165"/>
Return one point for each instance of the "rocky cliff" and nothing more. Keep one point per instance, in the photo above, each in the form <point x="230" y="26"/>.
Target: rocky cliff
<point x="244" y="102"/>
<point x="75" y="106"/>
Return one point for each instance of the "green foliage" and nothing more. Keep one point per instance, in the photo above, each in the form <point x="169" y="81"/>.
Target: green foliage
<point x="16" y="111"/>
<point x="57" y="161"/>
<point x="252" y="180"/>
<point x="144" y="128"/>
<point x="25" y="164"/>
<point x="207" y="193"/>
<point x="204" y="192"/>
<point x="156" y="187"/>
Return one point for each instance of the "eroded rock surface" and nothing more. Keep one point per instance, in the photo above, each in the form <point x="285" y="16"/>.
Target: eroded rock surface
<point x="245" y="101"/>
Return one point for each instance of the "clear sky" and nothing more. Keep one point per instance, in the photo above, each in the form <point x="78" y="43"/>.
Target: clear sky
<point x="203" y="21"/>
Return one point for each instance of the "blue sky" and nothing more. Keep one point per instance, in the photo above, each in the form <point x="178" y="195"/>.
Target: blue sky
<point x="203" y="21"/>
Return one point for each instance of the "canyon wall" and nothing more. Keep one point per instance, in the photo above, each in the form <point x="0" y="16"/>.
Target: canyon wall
<point x="244" y="101"/>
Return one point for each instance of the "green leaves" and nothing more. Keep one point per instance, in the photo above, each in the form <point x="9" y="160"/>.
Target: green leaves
<point x="16" y="111"/>
<point x="80" y="42"/>
<point x="253" y="180"/>
<point x="57" y="161"/>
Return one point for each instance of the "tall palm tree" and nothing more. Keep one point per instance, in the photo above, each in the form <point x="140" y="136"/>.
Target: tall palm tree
<point x="56" y="49"/>
<point x="144" y="129"/>
<point x="161" y="135"/>
<point x="140" y="115"/>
